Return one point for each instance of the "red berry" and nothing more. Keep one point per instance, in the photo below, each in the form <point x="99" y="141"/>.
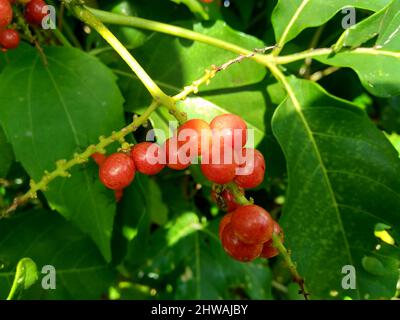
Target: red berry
<point x="217" y="168"/>
<point x="35" y="12"/>
<point x="6" y="13"/>
<point x="252" y="224"/>
<point x="238" y="249"/>
<point x="223" y="223"/>
<point x="268" y="249"/>
<point x="9" y="39"/>
<point x="230" y="129"/>
<point x="175" y="157"/>
<point x="147" y="158"/>
<point x="251" y="171"/>
<point x="196" y="134"/>
<point x="98" y="157"/>
<point x="117" y="171"/>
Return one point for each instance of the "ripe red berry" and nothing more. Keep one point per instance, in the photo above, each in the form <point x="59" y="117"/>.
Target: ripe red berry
<point x="98" y="157"/>
<point x="196" y="134"/>
<point x="35" y="12"/>
<point x="223" y="223"/>
<point x="217" y="168"/>
<point x="6" y="13"/>
<point x="147" y="158"/>
<point x="238" y="249"/>
<point x="251" y="171"/>
<point x="230" y="129"/>
<point x="117" y="171"/>
<point x="268" y="249"/>
<point x="252" y="224"/>
<point x="175" y="157"/>
<point x="9" y="39"/>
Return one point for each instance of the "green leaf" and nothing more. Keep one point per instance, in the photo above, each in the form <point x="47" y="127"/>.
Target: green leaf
<point x="155" y="205"/>
<point x="195" y="7"/>
<point x="289" y="18"/>
<point x="343" y="180"/>
<point x="6" y="154"/>
<point x="26" y="275"/>
<point x="198" y="264"/>
<point x="378" y="67"/>
<point x="81" y="272"/>
<point x="373" y="266"/>
<point x="130" y="37"/>
<point x="382" y="24"/>
<point x="173" y="67"/>
<point x="394" y="138"/>
<point x="209" y="273"/>
<point x="142" y="205"/>
<point x="55" y="111"/>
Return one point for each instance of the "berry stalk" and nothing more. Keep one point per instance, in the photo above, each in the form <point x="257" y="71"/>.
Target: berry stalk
<point x="63" y="166"/>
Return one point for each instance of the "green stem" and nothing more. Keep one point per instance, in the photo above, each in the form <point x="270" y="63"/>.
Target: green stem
<point x="87" y="17"/>
<point x="302" y="55"/>
<point x="118" y="19"/>
<point x="61" y="38"/>
<point x="239" y="196"/>
<point x="63" y="166"/>
<point x="290" y="264"/>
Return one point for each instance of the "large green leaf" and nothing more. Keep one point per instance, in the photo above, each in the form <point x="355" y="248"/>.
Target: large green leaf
<point x="291" y="17"/>
<point x="81" y="272"/>
<point x="6" y="154"/>
<point x="210" y="273"/>
<point x="343" y="180"/>
<point x="54" y="111"/>
<point x="378" y="67"/>
<point x="141" y="206"/>
<point x="197" y="265"/>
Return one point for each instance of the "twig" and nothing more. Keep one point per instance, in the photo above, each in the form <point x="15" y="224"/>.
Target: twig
<point x="241" y="57"/>
<point x="210" y="73"/>
<point x="323" y="73"/>
<point x="63" y="166"/>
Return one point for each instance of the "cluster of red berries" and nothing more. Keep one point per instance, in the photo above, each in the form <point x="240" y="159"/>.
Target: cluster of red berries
<point x="220" y="145"/>
<point x="34" y="13"/>
<point x="246" y="231"/>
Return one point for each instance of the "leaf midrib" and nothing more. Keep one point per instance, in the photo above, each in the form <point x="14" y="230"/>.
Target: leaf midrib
<point x="285" y="33"/>
<point x="297" y="106"/>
